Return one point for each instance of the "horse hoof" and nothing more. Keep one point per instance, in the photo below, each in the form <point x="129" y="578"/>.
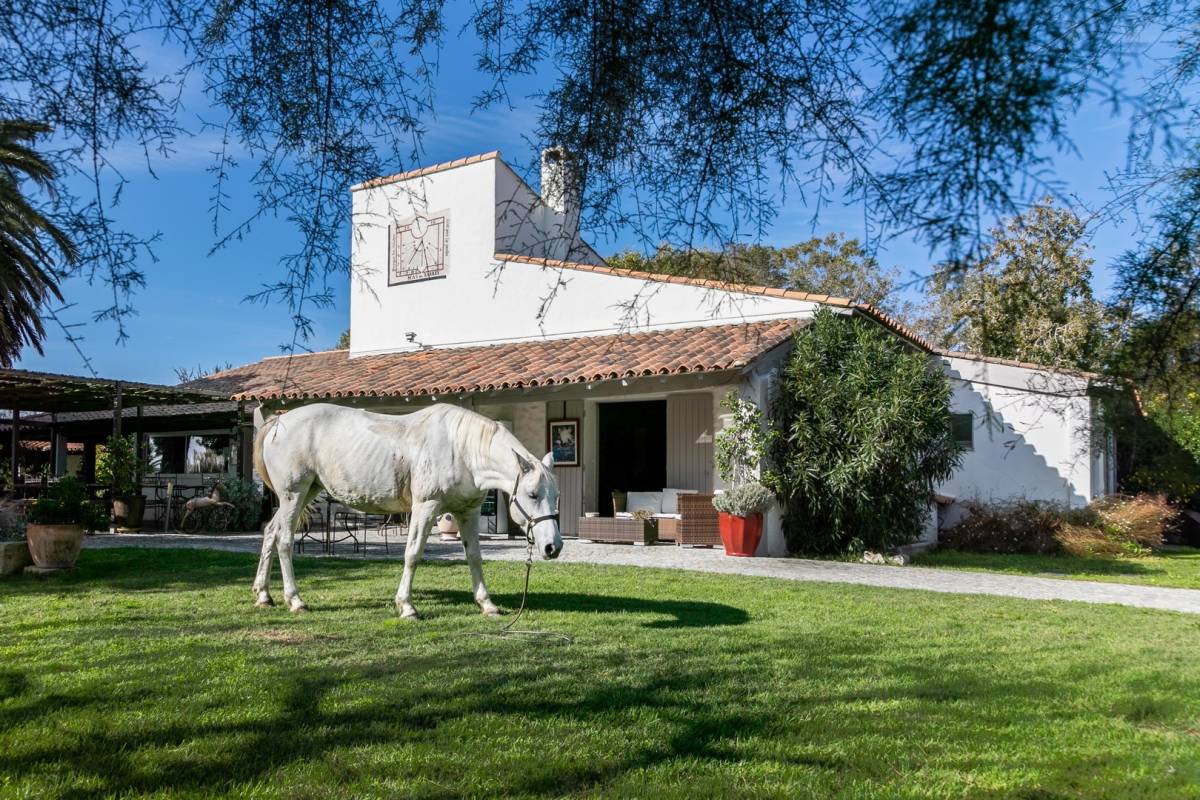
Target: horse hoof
<point x="264" y="602"/>
<point x="297" y="606"/>
<point x="408" y="612"/>
<point x="491" y="610"/>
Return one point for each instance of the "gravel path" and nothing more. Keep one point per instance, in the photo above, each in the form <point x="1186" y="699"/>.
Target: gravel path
<point x="704" y="560"/>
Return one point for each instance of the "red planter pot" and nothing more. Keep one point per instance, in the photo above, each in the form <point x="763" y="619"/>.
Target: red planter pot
<point x="740" y="535"/>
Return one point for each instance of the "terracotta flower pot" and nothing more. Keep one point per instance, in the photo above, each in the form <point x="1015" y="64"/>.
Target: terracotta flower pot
<point x="54" y="546"/>
<point x="448" y="527"/>
<point x="740" y="535"/>
<point x="128" y="512"/>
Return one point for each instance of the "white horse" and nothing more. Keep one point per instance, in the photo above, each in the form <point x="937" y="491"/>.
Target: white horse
<point x="441" y="458"/>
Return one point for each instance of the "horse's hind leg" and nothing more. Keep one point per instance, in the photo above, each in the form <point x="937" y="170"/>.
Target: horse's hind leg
<point x="418" y="531"/>
<point x="262" y="597"/>
<point x="291" y="506"/>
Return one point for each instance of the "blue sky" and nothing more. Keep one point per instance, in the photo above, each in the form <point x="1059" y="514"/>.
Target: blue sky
<point x="192" y="313"/>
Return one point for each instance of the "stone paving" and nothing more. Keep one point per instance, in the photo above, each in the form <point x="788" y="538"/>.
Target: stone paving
<point x="714" y="560"/>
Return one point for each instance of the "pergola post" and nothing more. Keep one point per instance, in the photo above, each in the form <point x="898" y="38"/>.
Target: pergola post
<point x="245" y="443"/>
<point x="139" y="439"/>
<point x="88" y="472"/>
<point x="117" y="410"/>
<point x="58" y="448"/>
<point x="15" y="445"/>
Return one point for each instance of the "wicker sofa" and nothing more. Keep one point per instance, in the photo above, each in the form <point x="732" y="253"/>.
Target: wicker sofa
<point x="696" y="525"/>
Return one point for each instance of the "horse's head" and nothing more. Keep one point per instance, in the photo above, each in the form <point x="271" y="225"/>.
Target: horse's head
<point x="535" y="503"/>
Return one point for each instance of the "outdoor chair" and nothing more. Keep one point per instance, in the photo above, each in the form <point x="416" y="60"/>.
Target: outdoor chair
<point x="313" y="527"/>
<point x="356" y="527"/>
<point x="156" y="501"/>
<point x="697" y="525"/>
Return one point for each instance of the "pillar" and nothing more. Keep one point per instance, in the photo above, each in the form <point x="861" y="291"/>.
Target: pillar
<point x="14" y="446"/>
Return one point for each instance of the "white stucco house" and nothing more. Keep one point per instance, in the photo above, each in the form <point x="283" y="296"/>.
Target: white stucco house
<point x="470" y="287"/>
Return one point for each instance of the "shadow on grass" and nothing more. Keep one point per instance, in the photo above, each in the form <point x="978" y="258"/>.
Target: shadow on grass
<point x="306" y="728"/>
<point x="682" y="613"/>
<point x="702" y="729"/>
<point x="159" y="569"/>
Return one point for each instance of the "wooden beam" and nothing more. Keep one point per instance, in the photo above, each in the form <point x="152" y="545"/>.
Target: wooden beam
<point x="15" y="444"/>
<point x="117" y="410"/>
<point x="139" y="439"/>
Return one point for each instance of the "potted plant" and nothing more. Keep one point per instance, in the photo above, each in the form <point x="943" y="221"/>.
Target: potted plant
<point x="739" y="452"/>
<point x="57" y="522"/>
<point x="740" y="520"/>
<point x="120" y="467"/>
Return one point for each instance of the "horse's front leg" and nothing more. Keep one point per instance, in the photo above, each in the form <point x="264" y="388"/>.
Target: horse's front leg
<point x="468" y="531"/>
<point x="418" y="531"/>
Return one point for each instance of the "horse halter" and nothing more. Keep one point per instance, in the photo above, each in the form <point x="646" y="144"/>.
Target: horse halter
<point x="529" y="520"/>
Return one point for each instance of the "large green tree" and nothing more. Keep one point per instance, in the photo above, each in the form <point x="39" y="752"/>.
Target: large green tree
<point x="833" y="265"/>
<point x="1029" y="296"/>
<point x="860" y="437"/>
<point x="32" y="248"/>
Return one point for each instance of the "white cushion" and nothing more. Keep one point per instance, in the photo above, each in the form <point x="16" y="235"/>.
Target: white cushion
<point x="670" y="499"/>
<point x="644" y="501"/>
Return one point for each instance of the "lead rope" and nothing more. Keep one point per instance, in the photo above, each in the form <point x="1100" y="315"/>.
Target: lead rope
<point x="509" y="630"/>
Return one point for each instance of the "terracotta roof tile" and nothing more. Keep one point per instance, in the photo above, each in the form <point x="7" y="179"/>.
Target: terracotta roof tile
<point x="333" y="374"/>
<point x="423" y="171"/>
<point x="1010" y="362"/>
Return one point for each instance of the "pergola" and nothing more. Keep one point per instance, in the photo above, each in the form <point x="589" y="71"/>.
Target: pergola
<point x="23" y="391"/>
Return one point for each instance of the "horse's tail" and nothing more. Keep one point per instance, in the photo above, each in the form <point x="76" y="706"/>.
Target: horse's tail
<point x="260" y="437"/>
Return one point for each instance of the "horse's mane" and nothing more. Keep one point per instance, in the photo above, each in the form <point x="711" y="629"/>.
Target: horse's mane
<point x="487" y="433"/>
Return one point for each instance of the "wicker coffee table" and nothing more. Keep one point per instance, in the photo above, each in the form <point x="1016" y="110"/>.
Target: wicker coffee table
<point x="619" y="530"/>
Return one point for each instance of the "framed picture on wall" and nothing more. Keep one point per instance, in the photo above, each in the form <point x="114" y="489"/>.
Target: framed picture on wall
<point x="564" y="441"/>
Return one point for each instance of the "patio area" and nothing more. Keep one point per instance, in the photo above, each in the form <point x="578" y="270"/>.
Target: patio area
<point x="55" y="425"/>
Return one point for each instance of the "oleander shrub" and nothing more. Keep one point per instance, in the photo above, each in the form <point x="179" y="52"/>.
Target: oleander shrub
<point x="859" y="437"/>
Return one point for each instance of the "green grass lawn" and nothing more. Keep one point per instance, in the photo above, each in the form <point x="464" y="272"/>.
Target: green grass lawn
<point x="1180" y="568"/>
<point x="150" y="673"/>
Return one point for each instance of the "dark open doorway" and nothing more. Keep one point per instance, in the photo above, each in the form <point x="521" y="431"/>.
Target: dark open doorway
<point x="631" y="450"/>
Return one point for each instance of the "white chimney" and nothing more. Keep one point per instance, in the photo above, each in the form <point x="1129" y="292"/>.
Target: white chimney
<point x="560" y="183"/>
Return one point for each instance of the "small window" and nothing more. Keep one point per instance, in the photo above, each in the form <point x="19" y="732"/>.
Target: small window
<point x="962" y="427"/>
